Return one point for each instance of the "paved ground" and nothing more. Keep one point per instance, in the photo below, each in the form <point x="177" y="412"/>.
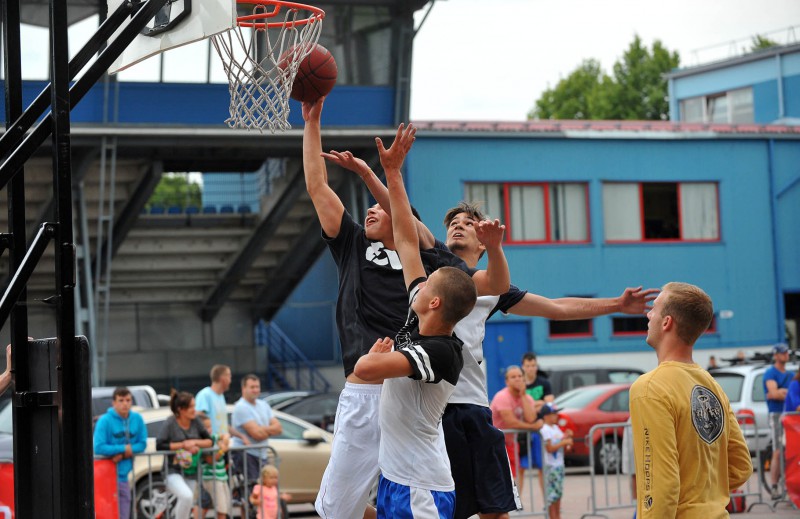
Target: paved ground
<point x="576" y="502"/>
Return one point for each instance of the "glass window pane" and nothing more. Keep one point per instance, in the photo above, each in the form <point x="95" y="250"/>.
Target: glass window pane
<point x="621" y="218"/>
<point x="699" y="218"/>
<point x="718" y="109"/>
<point x="731" y="384"/>
<point x="568" y="212"/>
<point x="527" y="213"/>
<point x="489" y="197"/>
<point x="741" y="105"/>
<point x="692" y="110"/>
<point x="574" y="327"/>
<point x="660" y="201"/>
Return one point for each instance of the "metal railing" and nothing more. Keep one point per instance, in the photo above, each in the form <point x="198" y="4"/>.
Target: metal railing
<point x="152" y="499"/>
<point x="530" y="487"/>
<point x="611" y="482"/>
<point x="286" y="362"/>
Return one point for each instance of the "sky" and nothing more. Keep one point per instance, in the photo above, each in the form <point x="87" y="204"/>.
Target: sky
<point x="484" y="60"/>
<point x="479" y="60"/>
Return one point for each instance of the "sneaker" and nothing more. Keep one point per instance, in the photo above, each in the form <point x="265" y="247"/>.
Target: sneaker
<point x="776" y="494"/>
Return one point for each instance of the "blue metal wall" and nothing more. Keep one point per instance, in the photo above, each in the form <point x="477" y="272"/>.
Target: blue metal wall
<point x="762" y="75"/>
<point x="738" y="271"/>
<point x="207" y="104"/>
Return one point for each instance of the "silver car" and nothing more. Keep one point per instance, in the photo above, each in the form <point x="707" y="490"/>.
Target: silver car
<point x="744" y="386"/>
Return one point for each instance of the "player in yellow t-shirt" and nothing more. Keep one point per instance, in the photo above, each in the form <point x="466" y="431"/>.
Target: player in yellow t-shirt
<point x="690" y="452"/>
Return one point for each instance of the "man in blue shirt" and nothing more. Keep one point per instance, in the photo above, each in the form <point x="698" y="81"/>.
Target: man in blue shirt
<point x="119" y="434"/>
<point x="254" y="420"/>
<point x="776" y="385"/>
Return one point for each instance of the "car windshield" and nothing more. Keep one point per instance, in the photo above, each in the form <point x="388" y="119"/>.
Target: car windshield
<point x="731" y="383"/>
<point x="580" y="397"/>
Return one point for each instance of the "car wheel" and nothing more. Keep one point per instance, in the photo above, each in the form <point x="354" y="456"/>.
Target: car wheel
<point x="154" y="502"/>
<point x="607" y="455"/>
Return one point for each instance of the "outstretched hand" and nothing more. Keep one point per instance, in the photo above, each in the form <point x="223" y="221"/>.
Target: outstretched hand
<point x="392" y="158"/>
<point x="382" y="346"/>
<point x="347" y="160"/>
<point x="313" y="111"/>
<point x="636" y="300"/>
<point x="490" y="233"/>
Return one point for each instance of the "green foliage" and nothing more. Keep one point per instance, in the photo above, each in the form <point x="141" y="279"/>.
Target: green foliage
<point x="635" y="90"/>
<point x="762" y="42"/>
<point x="176" y="189"/>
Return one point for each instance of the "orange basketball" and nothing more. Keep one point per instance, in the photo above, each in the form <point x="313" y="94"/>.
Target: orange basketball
<point x="315" y="76"/>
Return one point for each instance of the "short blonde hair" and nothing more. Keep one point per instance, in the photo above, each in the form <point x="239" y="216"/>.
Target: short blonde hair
<point x="690" y="307"/>
<point x="268" y="470"/>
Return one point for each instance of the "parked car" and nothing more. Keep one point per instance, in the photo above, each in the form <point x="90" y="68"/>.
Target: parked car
<point x="317" y="408"/>
<point x="303" y="451"/>
<point x="144" y="397"/>
<point x="277" y="398"/>
<point x="744" y="385"/>
<point x="565" y="378"/>
<point x="583" y="407"/>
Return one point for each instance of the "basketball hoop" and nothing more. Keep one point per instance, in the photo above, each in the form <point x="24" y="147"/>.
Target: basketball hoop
<point x="261" y="55"/>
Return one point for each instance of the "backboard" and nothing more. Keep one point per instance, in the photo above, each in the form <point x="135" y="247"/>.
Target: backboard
<point x="179" y="22"/>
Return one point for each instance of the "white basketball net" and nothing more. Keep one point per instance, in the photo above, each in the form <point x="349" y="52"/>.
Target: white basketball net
<point x="259" y="87"/>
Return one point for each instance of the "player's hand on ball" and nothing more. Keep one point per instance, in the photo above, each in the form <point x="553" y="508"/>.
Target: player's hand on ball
<point x="313" y="111"/>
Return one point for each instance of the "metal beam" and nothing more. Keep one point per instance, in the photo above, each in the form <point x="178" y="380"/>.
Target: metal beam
<point x="291" y="270"/>
<point x="253" y="247"/>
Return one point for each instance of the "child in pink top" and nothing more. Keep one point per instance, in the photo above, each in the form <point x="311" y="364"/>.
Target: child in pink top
<point x="265" y="495"/>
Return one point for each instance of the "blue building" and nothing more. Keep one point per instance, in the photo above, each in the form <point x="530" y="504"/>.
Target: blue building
<point x="594" y="207"/>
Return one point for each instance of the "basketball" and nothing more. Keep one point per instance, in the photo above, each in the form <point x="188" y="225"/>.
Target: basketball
<point x="315" y="76"/>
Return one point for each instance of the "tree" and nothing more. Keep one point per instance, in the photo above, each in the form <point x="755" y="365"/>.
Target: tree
<point x="762" y="42"/>
<point x="573" y="97"/>
<point x="176" y="189"/>
<point x="636" y="90"/>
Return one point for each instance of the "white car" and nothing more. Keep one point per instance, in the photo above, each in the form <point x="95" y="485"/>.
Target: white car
<point x="744" y="386"/>
<point x="302" y="448"/>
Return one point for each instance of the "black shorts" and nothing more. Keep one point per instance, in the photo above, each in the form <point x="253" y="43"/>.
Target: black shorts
<point x="478" y="462"/>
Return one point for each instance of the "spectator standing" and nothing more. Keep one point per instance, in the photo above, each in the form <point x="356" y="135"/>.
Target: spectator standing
<point x="539" y="388"/>
<point x="265" y="495"/>
<point x="776" y="386"/>
<point x="690" y="452"/>
<point x="215" y="476"/>
<point x="792" y="402"/>
<point x="119" y="434"/>
<point x="254" y="419"/>
<point x="513" y="408"/>
<point x="555" y="442"/>
<point x="211" y="404"/>
<point x="184" y="433"/>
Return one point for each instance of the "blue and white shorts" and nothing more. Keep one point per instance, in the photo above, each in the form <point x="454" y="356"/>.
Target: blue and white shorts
<point x="396" y="501"/>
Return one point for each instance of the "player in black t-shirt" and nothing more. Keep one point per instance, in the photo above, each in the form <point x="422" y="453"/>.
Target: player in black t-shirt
<point x="372" y="304"/>
<point x="422" y="369"/>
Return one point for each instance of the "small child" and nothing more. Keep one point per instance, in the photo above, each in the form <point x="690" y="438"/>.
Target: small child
<point x="265" y="495"/>
<point x="554" y="440"/>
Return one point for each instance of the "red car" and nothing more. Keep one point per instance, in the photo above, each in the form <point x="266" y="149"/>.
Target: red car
<point x="581" y="408"/>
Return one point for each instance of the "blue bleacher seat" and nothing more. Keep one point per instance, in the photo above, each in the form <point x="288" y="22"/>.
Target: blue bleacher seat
<point x="174" y="209"/>
<point x="226" y="209"/>
<point x="157" y="209"/>
<point x="243" y="209"/>
<point x="192" y="210"/>
<point x="210" y="209"/>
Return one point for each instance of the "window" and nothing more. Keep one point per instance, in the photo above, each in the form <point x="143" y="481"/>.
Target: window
<point x="638" y="325"/>
<point x="734" y="106"/>
<point x="629" y="325"/>
<point x="658" y="211"/>
<point x="536" y="212"/>
<point x="577" y="328"/>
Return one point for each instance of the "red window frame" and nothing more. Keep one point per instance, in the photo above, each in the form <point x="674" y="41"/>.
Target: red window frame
<point x="547" y="217"/>
<point x="680" y="239"/>
<point x="580" y="335"/>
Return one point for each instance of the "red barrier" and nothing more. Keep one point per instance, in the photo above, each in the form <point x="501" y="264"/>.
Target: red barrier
<point x="791" y="427"/>
<point x="106" y="503"/>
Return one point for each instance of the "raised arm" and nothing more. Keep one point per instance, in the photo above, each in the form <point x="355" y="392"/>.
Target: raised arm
<point x="376" y="188"/>
<point x="327" y="204"/>
<point x="406" y="239"/>
<point x="632" y="301"/>
<point x="495" y="280"/>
